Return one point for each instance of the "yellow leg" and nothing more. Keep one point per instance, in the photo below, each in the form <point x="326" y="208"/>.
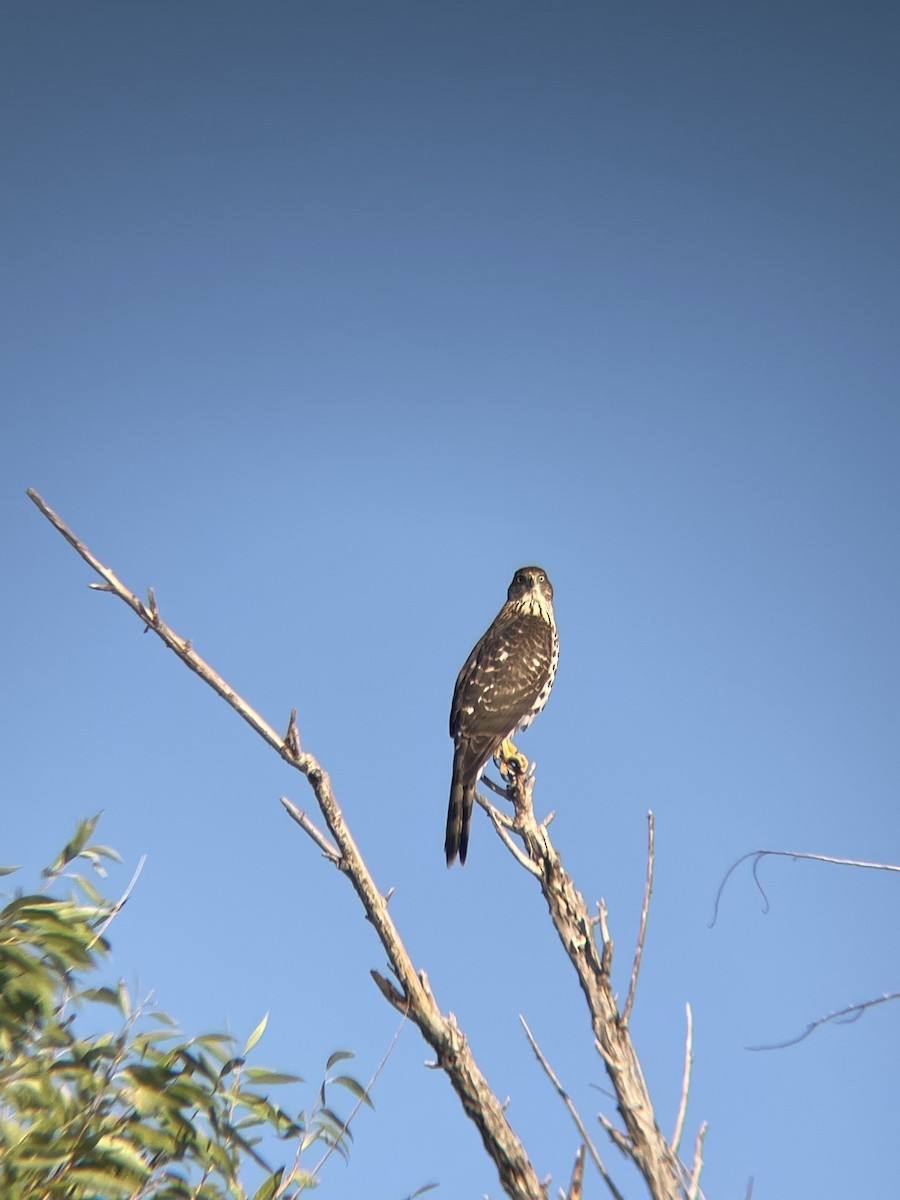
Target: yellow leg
<point x="509" y="760"/>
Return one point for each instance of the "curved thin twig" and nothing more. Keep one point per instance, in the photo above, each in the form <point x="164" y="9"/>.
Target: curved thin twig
<point x="843" y="1016"/>
<point x="759" y="855"/>
<point x="120" y="903"/>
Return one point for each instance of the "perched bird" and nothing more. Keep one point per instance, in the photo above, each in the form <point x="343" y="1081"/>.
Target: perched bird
<point x="503" y="686"/>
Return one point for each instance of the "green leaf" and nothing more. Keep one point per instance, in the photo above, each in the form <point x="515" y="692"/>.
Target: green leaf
<point x="352" y="1085"/>
<point x="263" y="1075"/>
<point x="268" y="1187"/>
<point x="337" y="1057"/>
<point x="331" y="1119"/>
<point x="106" y="852"/>
<point x="9" y="870"/>
<point x="121" y="1153"/>
<point x="89" y="1181"/>
<point x="83" y="831"/>
<point x="123" y="999"/>
<point x="163" y="1018"/>
<point x="89" y="890"/>
<point x="101" y="995"/>
<point x="256" y="1035"/>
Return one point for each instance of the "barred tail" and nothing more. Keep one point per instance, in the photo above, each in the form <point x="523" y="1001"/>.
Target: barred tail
<point x="459" y="815"/>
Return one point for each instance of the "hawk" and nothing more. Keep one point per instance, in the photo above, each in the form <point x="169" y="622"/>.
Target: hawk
<point x="501" y="689"/>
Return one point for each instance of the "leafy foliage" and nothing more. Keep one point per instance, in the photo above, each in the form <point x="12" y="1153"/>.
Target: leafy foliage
<point x="137" y="1114"/>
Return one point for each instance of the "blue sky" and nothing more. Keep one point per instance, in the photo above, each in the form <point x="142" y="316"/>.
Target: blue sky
<point x="322" y="319"/>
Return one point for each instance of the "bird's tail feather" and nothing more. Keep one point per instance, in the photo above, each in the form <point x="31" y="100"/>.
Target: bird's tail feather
<point x="459" y="815"/>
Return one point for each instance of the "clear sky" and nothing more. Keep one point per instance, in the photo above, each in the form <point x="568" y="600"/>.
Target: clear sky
<point x="323" y="318"/>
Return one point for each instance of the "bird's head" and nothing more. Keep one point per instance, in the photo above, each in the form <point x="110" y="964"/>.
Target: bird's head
<point x="532" y="587"/>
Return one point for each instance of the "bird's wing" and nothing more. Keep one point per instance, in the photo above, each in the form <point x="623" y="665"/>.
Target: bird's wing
<point x="502" y="678"/>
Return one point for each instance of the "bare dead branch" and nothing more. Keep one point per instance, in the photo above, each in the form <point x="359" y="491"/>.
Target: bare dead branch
<point x="292" y="737"/>
<point x="497" y="815"/>
<point x="573" y="1111"/>
<point x="759" y="855"/>
<point x="694" y="1188"/>
<point x="502" y="823"/>
<point x="181" y="647"/>
<point x="309" y="828"/>
<point x="616" y="1136"/>
<point x="685" y="1082"/>
<point x="606" y="941"/>
<point x="451" y="1048"/>
<point x="642" y="930"/>
<point x="497" y="788"/>
<point x="843" y="1016"/>
<point x="575" y="927"/>
<point x="414" y="996"/>
<point x="576" y="1184"/>
<point x="390" y="993"/>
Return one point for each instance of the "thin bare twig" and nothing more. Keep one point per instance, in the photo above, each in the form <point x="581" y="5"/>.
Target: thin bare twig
<point x="573" y="1111"/>
<point x="685" y="1081"/>
<point x="759" y="855"/>
<point x="296" y="814"/>
<point x="618" y="1139"/>
<point x="497" y="815"/>
<point x="360" y="1100"/>
<point x="502" y="823"/>
<point x="149" y="614"/>
<point x="642" y="931"/>
<point x="497" y="788"/>
<point x="120" y="903"/>
<point x="694" y="1187"/>
<point x="843" y="1016"/>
